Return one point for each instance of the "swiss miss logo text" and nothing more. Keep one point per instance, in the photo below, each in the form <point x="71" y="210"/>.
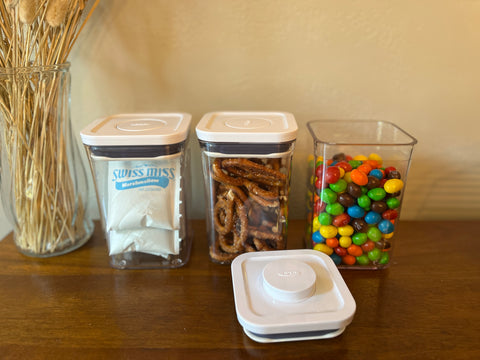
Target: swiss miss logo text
<point x="142" y="176"/>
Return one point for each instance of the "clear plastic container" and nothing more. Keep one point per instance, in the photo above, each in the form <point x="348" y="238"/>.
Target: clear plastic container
<point x="358" y="177"/>
<point x="139" y="164"/>
<point x="247" y="159"/>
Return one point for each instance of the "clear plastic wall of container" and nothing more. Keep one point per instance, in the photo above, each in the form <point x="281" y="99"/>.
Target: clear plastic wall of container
<point x="358" y="176"/>
<point x="247" y="159"/>
<point x="139" y="163"/>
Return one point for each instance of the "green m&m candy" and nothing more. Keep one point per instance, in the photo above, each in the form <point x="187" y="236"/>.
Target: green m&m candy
<point x="363" y="259"/>
<point x="339" y="186"/>
<point x="384" y="258"/>
<point x="359" y="238"/>
<point x="355" y="163"/>
<point x="325" y="218"/>
<point x="393" y="203"/>
<point x="374" y="254"/>
<point x="374" y="234"/>
<point x="328" y="196"/>
<point x="376" y="194"/>
<point x="334" y="209"/>
<point x="364" y="201"/>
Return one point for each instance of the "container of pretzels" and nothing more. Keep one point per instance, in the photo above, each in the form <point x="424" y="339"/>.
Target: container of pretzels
<point x="246" y="159"/>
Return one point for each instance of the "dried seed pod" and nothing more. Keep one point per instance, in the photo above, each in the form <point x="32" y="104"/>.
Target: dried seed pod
<point x="56" y="12"/>
<point x="81" y="4"/>
<point x="11" y="3"/>
<point x="27" y="10"/>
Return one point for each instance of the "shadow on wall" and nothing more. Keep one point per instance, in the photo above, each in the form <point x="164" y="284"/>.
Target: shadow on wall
<point x="442" y="197"/>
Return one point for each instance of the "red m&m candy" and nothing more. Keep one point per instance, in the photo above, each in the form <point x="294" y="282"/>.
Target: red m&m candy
<point x="332" y="175"/>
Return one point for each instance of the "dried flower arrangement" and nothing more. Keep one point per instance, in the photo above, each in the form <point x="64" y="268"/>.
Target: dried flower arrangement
<point x="36" y="37"/>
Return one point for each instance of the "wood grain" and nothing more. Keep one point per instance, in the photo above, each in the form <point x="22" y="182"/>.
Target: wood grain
<point x="426" y="305"/>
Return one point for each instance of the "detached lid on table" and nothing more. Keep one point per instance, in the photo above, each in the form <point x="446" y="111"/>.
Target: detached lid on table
<point x="137" y="130"/>
<point x="247" y="127"/>
<point x="290" y="295"/>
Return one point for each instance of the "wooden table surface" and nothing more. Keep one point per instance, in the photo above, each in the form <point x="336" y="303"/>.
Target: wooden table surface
<point x="424" y="306"/>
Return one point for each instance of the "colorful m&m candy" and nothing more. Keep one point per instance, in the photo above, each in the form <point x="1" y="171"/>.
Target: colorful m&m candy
<point x="357" y="204"/>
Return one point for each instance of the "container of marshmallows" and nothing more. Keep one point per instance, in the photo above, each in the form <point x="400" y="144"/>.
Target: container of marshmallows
<point x="139" y="166"/>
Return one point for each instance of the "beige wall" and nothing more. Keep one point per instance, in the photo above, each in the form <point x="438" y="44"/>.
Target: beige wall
<point x="413" y="62"/>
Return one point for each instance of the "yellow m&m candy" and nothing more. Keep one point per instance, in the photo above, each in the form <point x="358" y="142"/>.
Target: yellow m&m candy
<point x="393" y="185"/>
<point x="328" y="231"/>
<point x="323" y="248"/>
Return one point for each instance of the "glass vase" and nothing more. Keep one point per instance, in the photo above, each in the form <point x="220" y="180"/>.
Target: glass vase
<point x="43" y="180"/>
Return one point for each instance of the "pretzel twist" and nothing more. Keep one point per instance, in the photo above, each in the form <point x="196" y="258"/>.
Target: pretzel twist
<point x="253" y="171"/>
<point x="248" y="211"/>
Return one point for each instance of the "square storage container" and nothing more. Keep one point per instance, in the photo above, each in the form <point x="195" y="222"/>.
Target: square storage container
<point x="247" y="158"/>
<point x="358" y="178"/>
<point x="139" y="165"/>
<point x="290" y="295"/>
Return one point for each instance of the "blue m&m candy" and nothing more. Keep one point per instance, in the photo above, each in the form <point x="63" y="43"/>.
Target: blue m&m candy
<point x="386" y="227"/>
<point x="377" y="173"/>
<point x="317" y="238"/>
<point x="356" y="211"/>
<point x="373" y="217"/>
<point x="336" y="259"/>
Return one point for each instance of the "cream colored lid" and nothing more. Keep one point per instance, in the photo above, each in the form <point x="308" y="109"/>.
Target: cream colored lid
<point x="137" y="129"/>
<point x="247" y="127"/>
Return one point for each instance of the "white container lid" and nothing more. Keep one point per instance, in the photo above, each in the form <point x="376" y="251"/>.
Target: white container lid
<point x="137" y="129"/>
<point x="290" y="295"/>
<point x="247" y="127"/>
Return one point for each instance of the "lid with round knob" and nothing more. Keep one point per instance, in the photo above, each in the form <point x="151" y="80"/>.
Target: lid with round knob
<point x="290" y="295"/>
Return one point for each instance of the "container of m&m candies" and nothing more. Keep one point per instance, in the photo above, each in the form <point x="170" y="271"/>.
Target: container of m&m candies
<point x="358" y="177"/>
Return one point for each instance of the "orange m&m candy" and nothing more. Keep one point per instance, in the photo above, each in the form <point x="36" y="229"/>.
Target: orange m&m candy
<point x="372" y="163"/>
<point x="332" y="242"/>
<point x="359" y="177"/>
<point x="349" y="260"/>
<point x="354" y="250"/>
<point x="365" y="168"/>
